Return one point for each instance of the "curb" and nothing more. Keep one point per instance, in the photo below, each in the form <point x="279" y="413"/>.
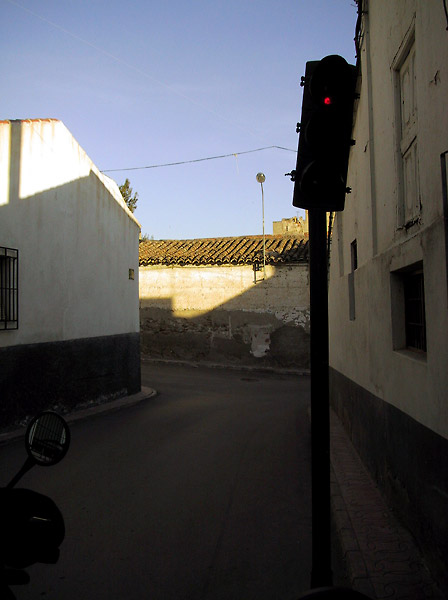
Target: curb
<point x="234" y="367"/>
<point x="85" y="413"/>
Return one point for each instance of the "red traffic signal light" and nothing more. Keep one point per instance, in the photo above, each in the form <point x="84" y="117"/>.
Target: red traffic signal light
<point x="325" y="134"/>
<point x="332" y="77"/>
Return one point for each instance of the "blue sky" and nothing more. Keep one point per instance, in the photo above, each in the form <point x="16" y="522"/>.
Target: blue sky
<point x="141" y="83"/>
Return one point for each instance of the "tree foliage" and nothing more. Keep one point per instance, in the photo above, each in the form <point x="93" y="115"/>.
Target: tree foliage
<point x="126" y="192"/>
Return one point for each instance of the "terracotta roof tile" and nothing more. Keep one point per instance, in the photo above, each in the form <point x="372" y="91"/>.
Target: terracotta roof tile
<point x="29" y="121"/>
<point x="224" y="251"/>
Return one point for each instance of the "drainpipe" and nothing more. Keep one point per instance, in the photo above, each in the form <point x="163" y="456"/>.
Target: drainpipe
<point x="365" y="9"/>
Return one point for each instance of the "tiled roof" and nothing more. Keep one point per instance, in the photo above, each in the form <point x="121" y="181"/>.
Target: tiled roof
<point x="29" y="121"/>
<point x="224" y="251"/>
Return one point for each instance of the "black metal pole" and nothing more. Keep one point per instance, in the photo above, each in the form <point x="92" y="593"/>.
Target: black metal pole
<point x="321" y="574"/>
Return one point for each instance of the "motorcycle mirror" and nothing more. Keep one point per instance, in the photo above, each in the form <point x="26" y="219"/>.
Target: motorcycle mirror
<point x="47" y="438"/>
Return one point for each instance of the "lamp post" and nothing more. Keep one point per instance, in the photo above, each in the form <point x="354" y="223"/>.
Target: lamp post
<point x="261" y="179"/>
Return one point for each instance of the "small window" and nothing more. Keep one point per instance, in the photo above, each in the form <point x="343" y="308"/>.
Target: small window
<point x="9" y="288"/>
<point x="414" y="310"/>
<point x="408" y="309"/>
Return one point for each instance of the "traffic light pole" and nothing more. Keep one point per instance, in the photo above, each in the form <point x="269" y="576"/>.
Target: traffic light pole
<point x="320" y="186"/>
<point x="321" y="574"/>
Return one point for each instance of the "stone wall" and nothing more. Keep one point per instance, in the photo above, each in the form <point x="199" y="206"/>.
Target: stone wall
<point x="219" y="314"/>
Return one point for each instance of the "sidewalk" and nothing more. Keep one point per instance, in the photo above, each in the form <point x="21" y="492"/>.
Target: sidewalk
<point x="89" y="411"/>
<point x="382" y="558"/>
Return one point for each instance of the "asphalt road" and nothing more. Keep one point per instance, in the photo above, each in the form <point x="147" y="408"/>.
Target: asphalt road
<point x="202" y="492"/>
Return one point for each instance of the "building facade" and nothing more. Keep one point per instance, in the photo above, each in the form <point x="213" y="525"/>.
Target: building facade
<point x="297" y="226"/>
<point x="209" y="300"/>
<point x="388" y="279"/>
<point x="69" y="323"/>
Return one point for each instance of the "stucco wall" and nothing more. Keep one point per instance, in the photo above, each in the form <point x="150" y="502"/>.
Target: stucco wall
<point x="219" y="314"/>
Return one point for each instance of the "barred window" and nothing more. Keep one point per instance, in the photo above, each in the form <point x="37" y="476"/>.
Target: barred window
<point x="414" y="310"/>
<point x="351" y="280"/>
<point x="408" y="309"/>
<point x="9" y="288"/>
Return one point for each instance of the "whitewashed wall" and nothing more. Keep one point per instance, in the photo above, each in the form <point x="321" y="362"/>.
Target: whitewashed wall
<point x="362" y="349"/>
<point x="76" y="238"/>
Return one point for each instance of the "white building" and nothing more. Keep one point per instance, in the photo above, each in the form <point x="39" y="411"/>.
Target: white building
<point x="69" y="322"/>
<point x="388" y="279"/>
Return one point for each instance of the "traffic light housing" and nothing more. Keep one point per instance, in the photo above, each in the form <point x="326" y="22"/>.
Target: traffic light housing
<point x="325" y="134"/>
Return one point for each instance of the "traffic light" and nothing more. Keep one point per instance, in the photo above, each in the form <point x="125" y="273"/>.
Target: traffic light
<point x="325" y="134"/>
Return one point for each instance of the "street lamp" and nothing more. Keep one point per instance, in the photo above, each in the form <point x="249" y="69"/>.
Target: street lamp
<point x="261" y="179"/>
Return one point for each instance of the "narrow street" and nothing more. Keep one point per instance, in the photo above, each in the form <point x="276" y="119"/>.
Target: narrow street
<point x="202" y="492"/>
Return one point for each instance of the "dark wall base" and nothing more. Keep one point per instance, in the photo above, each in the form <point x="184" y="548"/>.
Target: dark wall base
<point x="39" y="376"/>
<point x="408" y="460"/>
<point x="210" y="338"/>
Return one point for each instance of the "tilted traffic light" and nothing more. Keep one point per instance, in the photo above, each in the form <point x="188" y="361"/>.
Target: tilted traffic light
<point x="325" y="134"/>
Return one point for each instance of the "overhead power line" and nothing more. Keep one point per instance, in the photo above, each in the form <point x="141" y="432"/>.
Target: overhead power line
<point x="184" y="162"/>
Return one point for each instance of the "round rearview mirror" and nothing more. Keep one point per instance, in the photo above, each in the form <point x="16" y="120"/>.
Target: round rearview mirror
<point x="47" y="438"/>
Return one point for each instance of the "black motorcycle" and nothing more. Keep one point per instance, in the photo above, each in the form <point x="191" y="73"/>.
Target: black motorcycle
<point x="31" y="525"/>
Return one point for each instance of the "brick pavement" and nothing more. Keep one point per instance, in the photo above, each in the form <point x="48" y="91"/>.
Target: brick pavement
<point x="382" y="557"/>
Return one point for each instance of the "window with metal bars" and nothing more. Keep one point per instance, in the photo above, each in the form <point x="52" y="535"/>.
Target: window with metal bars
<point x="9" y="288"/>
<point x="351" y="280"/>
